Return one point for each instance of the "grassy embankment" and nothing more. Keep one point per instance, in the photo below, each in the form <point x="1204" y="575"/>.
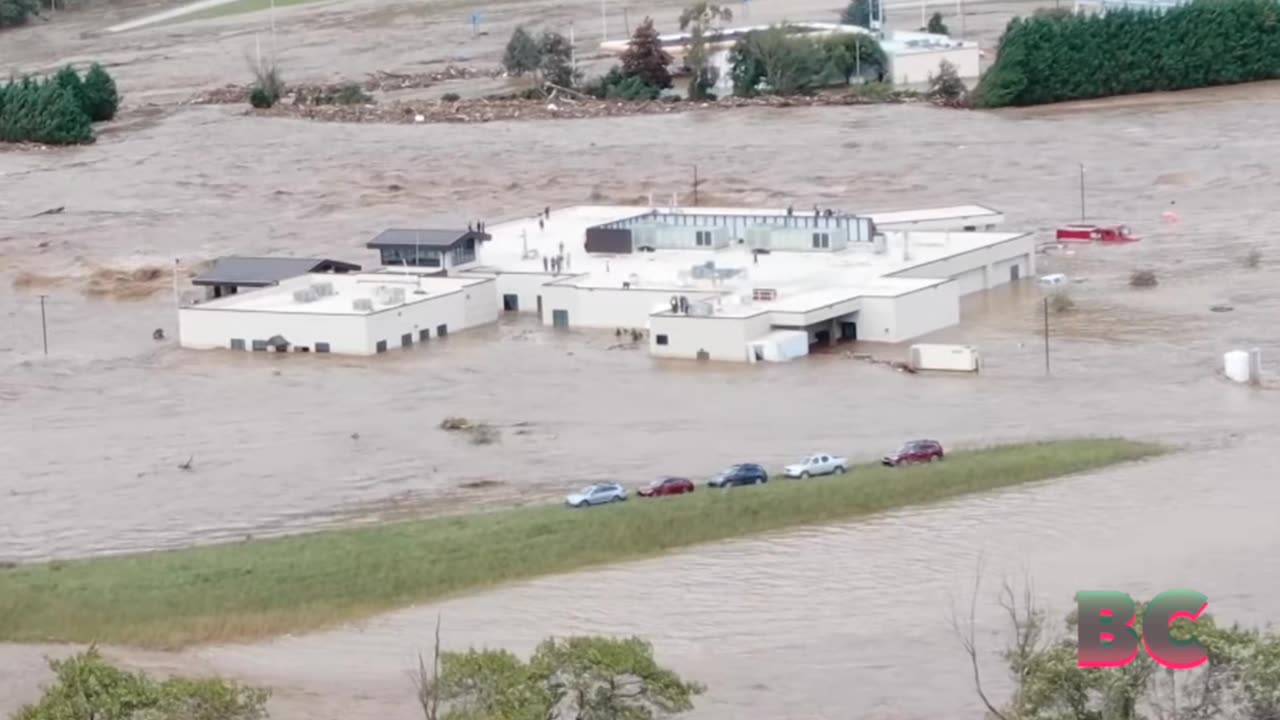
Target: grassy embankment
<point x="259" y="588"/>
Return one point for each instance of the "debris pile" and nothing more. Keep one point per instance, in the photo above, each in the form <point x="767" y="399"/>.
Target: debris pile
<point x="482" y="111"/>
<point x="326" y="93"/>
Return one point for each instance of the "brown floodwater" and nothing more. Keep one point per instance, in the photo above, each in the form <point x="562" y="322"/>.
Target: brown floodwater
<point x="798" y="625"/>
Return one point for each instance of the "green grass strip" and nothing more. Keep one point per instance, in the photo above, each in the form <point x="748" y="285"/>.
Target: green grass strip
<point x="260" y="588"/>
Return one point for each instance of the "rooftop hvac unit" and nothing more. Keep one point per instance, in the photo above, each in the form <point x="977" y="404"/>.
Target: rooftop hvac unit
<point x="304" y="295"/>
<point x="322" y="289"/>
<point x="362" y="305"/>
<point x="388" y="295"/>
<point x="701" y="309"/>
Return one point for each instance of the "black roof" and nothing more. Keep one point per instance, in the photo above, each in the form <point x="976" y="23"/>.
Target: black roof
<point x="424" y="237"/>
<point x="265" y="271"/>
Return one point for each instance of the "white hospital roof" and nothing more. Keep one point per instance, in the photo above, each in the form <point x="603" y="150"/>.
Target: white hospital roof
<point x="803" y="280"/>
<point x="346" y="288"/>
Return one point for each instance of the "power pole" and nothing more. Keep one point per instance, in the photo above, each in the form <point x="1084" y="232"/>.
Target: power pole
<point x="1046" y="335"/>
<point x="44" y="329"/>
<point x="1082" y="192"/>
<point x="695" y="185"/>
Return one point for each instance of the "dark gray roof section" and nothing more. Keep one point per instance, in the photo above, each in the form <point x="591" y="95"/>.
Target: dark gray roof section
<point x="425" y="237"/>
<point x="266" y="271"/>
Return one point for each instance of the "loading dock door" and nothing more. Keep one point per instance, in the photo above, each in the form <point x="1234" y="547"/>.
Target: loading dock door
<point x="510" y="303"/>
<point x="560" y="318"/>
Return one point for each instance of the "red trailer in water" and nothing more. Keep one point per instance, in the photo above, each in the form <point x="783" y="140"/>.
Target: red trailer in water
<point x="1095" y="233"/>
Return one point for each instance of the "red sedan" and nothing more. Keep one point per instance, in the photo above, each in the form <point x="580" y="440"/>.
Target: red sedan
<point x="667" y="486"/>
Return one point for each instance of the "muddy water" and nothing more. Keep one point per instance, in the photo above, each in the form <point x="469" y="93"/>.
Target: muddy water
<point x="91" y="437"/>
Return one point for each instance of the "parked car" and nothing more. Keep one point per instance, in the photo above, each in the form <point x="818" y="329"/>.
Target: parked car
<point x="666" y="486"/>
<point x="916" y="451"/>
<point x="741" y="474"/>
<point x="598" y="494"/>
<point x="820" y="464"/>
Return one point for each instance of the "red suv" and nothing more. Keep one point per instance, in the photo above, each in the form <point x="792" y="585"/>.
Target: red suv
<point x="667" y="486"/>
<point x="916" y="451"/>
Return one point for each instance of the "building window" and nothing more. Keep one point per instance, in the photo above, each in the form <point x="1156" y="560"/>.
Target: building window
<point x="660" y="339"/>
<point x="424" y="335"/>
<point x="381" y="346"/>
<point x="411" y="255"/>
<point x="821" y="240"/>
<point x="764" y="294"/>
<point x="322" y="347"/>
<point x="406" y="340"/>
<point x="259" y="345"/>
<point x="442" y="330"/>
<point x="237" y="344"/>
<point x="702" y="238"/>
<point x="462" y="255"/>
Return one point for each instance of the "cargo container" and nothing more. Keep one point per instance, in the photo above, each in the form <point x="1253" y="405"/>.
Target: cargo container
<point x="955" y="358"/>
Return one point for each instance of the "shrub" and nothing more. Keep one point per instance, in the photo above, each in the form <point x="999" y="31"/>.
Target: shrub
<point x="1143" y="279"/>
<point x="450" y="97"/>
<point x="632" y="88"/>
<point x="1061" y="302"/>
<point x="1252" y="259"/>
<point x="859" y="12"/>
<point x="848" y="53"/>
<point x="268" y="87"/>
<point x="101" y="99"/>
<point x="556" y="55"/>
<point x="351" y="94"/>
<point x="946" y="86"/>
<point x="87" y="686"/>
<point x="17" y="12"/>
<point x="1057" y="57"/>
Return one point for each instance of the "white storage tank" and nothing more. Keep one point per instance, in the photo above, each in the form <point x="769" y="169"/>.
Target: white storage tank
<point x="956" y="358"/>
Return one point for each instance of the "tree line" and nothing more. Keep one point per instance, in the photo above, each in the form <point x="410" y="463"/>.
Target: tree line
<point x="776" y="61"/>
<point x="1058" y="56"/>
<point x="57" y="110"/>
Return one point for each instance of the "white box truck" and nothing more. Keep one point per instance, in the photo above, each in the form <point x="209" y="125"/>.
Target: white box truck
<point x="955" y="358"/>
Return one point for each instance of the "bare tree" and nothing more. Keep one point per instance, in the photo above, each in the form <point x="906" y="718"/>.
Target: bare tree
<point x="427" y="683"/>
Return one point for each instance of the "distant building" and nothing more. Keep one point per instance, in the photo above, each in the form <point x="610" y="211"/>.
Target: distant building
<point x="1104" y="6"/>
<point x="912" y="56"/>
<point x="725" y="284"/>
<point x="229" y="275"/>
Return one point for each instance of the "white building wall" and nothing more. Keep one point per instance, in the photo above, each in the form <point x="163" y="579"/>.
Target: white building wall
<point x="996" y="260"/>
<point x="482" y="304"/>
<point x="609" y="308"/>
<point x="725" y="339"/>
<point x="527" y="287"/>
<point x="914" y="68"/>
<point x="207" y="328"/>
<point x="926" y="311"/>
<point x="390" y="324"/>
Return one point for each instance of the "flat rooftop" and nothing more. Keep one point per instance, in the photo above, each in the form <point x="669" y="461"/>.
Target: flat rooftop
<point x="347" y="288"/>
<point x="803" y="280"/>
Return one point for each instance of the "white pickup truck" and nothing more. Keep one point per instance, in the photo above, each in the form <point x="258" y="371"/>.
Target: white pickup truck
<point x="819" y="464"/>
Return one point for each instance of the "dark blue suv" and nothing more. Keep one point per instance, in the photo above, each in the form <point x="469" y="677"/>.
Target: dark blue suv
<point x="743" y="474"/>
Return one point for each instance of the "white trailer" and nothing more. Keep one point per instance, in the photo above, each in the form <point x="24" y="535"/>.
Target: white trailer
<point x="956" y="358"/>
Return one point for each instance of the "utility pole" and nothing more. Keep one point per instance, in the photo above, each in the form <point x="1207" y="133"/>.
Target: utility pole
<point x="44" y="329"/>
<point x="1082" y="192"/>
<point x="695" y="185"/>
<point x="573" y="54"/>
<point x="857" y="55"/>
<point x="1046" y="335"/>
<point x="273" y="32"/>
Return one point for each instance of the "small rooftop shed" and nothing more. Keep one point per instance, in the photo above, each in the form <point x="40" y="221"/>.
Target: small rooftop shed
<point x="229" y="274"/>
<point x="428" y="247"/>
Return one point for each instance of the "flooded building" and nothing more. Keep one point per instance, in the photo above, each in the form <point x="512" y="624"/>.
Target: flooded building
<point x="727" y="284"/>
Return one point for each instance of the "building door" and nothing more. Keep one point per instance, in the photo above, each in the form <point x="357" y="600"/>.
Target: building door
<point x="539" y="306"/>
<point x="560" y="318"/>
<point x="848" y="331"/>
<point x="1015" y="272"/>
<point x="510" y="303"/>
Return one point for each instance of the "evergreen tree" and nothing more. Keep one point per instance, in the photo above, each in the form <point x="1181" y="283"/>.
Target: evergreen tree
<point x="101" y="100"/>
<point x="69" y="79"/>
<point x="522" y="54"/>
<point x="17" y="119"/>
<point x="936" y="25"/>
<point x="861" y="12"/>
<point x="645" y="59"/>
<point x="59" y="119"/>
